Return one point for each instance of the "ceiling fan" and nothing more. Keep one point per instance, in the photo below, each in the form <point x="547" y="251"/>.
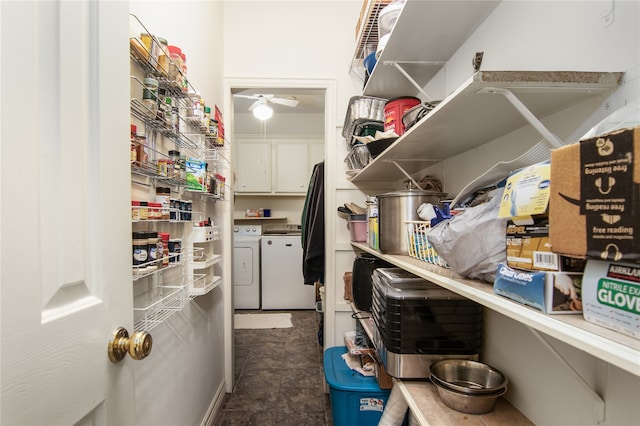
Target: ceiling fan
<point x="289" y="101"/>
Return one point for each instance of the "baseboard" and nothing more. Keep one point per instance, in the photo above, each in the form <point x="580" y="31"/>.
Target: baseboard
<point x="215" y="405"/>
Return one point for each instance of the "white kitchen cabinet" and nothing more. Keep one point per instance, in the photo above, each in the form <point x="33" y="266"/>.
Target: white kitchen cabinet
<point x="253" y="166"/>
<point x="291" y="166"/>
<point x="281" y="166"/>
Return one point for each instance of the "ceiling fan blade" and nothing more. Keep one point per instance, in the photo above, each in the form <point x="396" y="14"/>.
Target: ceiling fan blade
<point x="285" y="101"/>
<point x="253" y="105"/>
<point x="246" y="96"/>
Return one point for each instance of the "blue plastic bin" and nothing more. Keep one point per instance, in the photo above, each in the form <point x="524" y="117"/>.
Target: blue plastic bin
<point x="356" y="400"/>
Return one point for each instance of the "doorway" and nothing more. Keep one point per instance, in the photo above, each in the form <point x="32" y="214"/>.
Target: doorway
<point x="315" y="97"/>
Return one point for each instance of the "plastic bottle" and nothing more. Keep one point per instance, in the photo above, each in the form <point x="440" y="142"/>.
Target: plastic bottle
<point x="140" y="248"/>
<point x="152" y="244"/>
<point x="164" y="239"/>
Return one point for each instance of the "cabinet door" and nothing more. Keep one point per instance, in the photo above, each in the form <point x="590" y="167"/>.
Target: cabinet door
<point x="291" y="172"/>
<point x="253" y="166"/>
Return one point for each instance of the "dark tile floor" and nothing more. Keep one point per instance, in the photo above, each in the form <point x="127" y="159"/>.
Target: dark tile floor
<point x="278" y="376"/>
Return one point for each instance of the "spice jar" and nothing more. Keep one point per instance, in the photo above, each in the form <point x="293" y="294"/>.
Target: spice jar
<point x="164" y="239"/>
<point x="144" y="210"/>
<point x="135" y="210"/>
<point x="175" y="245"/>
<point x="174" y="209"/>
<point x="213" y="129"/>
<point x="151" y="47"/>
<point x="163" y="167"/>
<point x="162" y="197"/>
<point x="150" y="97"/>
<point x="163" y="58"/>
<point x="140" y="142"/>
<point x="175" y="65"/>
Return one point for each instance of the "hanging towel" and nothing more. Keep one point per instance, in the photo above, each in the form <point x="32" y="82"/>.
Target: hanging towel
<point x="312" y="224"/>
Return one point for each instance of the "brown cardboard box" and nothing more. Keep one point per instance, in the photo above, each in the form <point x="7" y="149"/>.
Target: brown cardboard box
<point x="528" y="247"/>
<point x="594" y="207"/>
<point x="385" y="381"/>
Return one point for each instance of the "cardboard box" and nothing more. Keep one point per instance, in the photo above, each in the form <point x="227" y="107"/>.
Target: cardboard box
<point x="549" y="292"/>
<point x="526" y="192"/>
<point x="528" y="247"/>
<point x="595" y="197"/>
<point x="385" y="381"/>
<point x="611" y="296"/>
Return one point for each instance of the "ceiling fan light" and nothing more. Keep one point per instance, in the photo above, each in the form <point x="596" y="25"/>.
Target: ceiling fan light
<point x="262" y="112"/>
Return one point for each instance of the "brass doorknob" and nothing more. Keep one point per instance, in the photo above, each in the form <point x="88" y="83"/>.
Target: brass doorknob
<point x="138" y="345"/>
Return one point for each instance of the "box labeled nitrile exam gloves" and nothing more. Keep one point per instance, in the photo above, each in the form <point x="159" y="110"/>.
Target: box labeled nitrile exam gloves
<point x="611" y="296"/>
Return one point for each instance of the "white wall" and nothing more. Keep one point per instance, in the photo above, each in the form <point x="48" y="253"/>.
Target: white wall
<point x="185" y="371"/>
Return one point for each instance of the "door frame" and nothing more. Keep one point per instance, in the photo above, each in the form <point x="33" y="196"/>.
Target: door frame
<point x="328" y="85"/>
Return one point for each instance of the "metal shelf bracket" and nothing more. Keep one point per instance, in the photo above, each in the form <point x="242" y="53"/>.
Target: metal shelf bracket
<point x="526" y="113"/>
<point x="598" y="402"/>
<point x="408" y="77"/>
<point x="404" y="172"/>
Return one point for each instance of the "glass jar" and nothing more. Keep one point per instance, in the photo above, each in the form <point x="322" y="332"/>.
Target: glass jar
<point x="163" y="57"/>
<point x="213" y="129"/>
<point x="135" y="210"/>
<point x="140" y="142"/>
<point x="163" y="166"/>
<point x="174" y="156"/>
<point x="207" y="117"/>
<point x="150" y="97"/>
<point x="195" y="106"/>
<point x="144" y="210"/>
<point x="185" y="82"/>
<point x="175" y="65"/>
<point x="152" y="49"/>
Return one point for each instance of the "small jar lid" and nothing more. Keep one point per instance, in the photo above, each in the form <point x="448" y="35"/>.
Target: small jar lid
<point x="150" y="82"/>
<point x="135" y="202"/>
<point x="174" y="49"/>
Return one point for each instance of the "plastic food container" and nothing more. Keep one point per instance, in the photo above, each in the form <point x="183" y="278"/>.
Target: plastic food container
<point x="395" y="109"/>
<point x="357" y="225"/>
<point x="356" y="400"/>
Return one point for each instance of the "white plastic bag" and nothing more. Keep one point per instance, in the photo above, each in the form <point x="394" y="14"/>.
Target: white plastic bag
<point x="473" y="242"/>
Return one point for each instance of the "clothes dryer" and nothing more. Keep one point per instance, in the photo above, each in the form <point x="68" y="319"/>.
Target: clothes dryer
<point x="246" y="266"/>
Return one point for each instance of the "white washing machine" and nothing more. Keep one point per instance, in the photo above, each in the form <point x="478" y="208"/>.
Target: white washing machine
<point x="246" y="266"/>
<point x="282" y="280"/>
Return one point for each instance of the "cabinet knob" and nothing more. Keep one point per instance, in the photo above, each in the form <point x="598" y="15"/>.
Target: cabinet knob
<point x="138" y="345"/>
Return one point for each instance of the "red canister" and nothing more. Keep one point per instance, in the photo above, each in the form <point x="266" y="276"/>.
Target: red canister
<point x="394" y="109"/>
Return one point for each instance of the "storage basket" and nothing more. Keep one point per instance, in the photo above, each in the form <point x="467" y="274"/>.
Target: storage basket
<point x="418" y="245"/>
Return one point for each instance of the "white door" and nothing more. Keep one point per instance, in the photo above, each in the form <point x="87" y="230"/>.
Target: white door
<point x="65" y="224"/>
